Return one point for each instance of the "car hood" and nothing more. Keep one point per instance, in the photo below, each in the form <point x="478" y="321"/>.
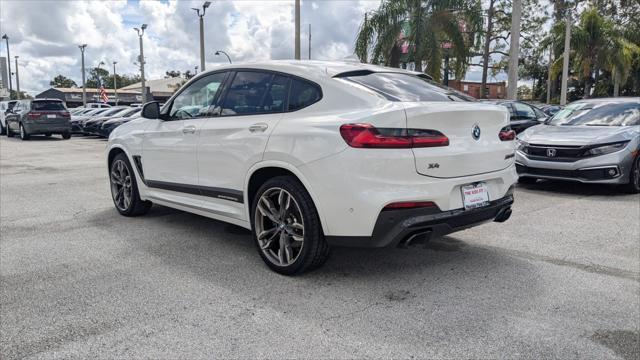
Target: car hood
<point x="577" y="135"/>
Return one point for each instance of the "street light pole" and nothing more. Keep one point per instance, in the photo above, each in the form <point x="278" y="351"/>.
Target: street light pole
<point x="144" y="88"/>
<point x="297" y="30"/>
<point x="565" y="59"/>
<point x="514" y="50"/>
<point x="6" y="38"/>
<point x="84" y="86"/>
<point x="115" y="86"/>
<point x="218" y="52"/>
<point x="201" y="16"/>
<point x="17" y="81"/>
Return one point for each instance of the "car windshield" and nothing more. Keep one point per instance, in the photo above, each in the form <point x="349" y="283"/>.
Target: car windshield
<point x="124" y="112"/>
<point x="47" y="105"/>
<point x="407" y="87"/>
<point x="112" y="111"/>
<point x="598" y="114"/>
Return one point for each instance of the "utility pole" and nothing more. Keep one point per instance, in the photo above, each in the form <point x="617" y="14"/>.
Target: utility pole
<point x="17" y="81"/>
<point x="6" y="38"/>
<point x="84" y="87"/>
<point x="115" y="86"/>
<point x="142" y="84"/>
<point x="297" y="30"/>
<point x="565" y="58"/>
<point x="514" y="50"/>
<point x="549" y="73"/>
<point x="309" y="41"/>
<point x="201" y="16"/>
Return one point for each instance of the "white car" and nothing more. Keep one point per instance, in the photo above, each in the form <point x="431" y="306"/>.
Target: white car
<point x="314" y="154"/>
<point x="5" y="108"/>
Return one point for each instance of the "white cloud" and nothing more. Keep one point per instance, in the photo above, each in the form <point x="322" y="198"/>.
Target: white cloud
<point x="46" y="34"/>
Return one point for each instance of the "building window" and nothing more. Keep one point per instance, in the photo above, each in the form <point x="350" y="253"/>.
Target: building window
<point x="465" y="88"/>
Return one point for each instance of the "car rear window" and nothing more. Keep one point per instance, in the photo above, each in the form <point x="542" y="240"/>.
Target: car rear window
<point x="47" y="105"/>
<point x="303" y="94"/>
<point x="598" y="114"/>
<point x="406" y="87"/>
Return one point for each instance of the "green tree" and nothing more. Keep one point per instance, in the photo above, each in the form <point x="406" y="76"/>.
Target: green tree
<point x="95" y="75"/>
<point x="61" y="81"/>
<point x="430" y="23"/>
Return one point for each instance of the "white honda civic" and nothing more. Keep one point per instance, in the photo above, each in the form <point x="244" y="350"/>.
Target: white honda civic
<point x="310" y="155"/>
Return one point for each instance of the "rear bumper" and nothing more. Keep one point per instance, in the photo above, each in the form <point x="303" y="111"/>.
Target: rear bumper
<point x="395" y="227"/>
<point x="38" y="128"/>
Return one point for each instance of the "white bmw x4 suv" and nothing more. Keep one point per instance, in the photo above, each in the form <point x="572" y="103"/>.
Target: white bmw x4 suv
<point x="309" y="155"/>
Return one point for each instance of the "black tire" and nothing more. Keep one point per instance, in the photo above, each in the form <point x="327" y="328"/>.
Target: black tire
<point x="23" y="133"/>
<point x="633" y="186"/>
<point x="66" y="135"/>
<point x="3" y="130"/>
<point x="527" y="180"/>
<point x="9" y="132"/>
<point x="314" y="250"/>
<point x="136" y="206"/>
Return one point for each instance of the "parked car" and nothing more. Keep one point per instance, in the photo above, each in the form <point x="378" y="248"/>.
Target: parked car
<point x="107" y="112"/>
<point x="522" y="115"/>
<point x="97" y="105"/>
<point x="5" y="107"/>
<point x="314" y="154"/>
<point x="590" y="141"/>
<point x="108" y="126"/>
<point x="39" y="116"/>
<point x="92" y="125"/>
<point x="551" y="110"/>
<point x="76" y="120"/>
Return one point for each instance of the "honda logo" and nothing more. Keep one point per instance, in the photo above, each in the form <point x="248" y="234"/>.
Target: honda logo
<point x="551" y="152"/>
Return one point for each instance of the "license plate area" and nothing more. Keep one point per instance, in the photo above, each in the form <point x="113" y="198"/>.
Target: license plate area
<point x="51" y="116"/>
<point x="475" y="195"/>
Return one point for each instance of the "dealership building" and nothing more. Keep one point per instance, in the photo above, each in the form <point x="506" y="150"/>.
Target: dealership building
<point x="159" y="90"/>
<point x="73" y="96"/>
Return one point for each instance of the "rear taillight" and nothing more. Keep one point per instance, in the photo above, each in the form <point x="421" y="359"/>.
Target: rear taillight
<point x="368" y="136"/>
<point x="34" y="115"/>
<point x="506" y="134"/>
<point x="65" y="114"/>
<point x="409" y="205"/>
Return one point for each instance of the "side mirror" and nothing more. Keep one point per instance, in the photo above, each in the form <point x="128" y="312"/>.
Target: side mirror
<point x="151" y="110"/>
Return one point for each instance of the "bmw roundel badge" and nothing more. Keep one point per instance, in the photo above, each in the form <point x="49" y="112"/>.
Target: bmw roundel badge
<point x="475" y="132"/>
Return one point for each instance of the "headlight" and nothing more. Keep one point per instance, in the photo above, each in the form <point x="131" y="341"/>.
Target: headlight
<point x="606" y="149"/>
<point x="521" y="146"/>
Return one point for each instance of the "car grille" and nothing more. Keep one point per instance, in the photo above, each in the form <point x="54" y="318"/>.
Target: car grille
<point x="553" y="153"/>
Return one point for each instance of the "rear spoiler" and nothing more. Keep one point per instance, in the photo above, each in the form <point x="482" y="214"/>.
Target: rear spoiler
<point x="367" y="72"/>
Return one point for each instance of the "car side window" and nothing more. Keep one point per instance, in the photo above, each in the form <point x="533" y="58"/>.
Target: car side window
<point x="253" y="92"/>
<point x="302" y="94"/>
<point x="197" y="100"/>
<point x="524" y="111"/>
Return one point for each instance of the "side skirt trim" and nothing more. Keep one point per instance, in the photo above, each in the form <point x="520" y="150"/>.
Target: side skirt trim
<point x="220" y="193"/>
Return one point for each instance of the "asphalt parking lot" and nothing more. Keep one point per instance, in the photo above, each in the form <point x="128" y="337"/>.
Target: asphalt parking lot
<point x="560" y="279"/>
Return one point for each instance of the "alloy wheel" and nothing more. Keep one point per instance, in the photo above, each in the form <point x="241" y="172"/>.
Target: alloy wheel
<point x="121" y="185"/>
<point x="279" y="226"/>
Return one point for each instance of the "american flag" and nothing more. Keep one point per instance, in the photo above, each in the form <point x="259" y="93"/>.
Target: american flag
<point x="103" y="94"/>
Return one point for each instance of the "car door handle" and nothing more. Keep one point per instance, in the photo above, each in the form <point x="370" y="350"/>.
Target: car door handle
<point x="189" y="129"/>
<point x="259" y="127"/>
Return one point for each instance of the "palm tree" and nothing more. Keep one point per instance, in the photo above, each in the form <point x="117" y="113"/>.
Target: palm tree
<point x="430" y="23"/>
<point x="591" y="42"/>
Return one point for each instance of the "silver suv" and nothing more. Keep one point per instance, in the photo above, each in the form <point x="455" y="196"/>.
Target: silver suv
<point x="39" y="116"/>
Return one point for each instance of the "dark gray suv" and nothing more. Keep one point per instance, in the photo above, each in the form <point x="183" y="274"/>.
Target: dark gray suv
<point x="39" y="116"/>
